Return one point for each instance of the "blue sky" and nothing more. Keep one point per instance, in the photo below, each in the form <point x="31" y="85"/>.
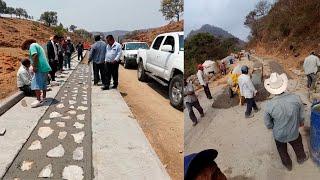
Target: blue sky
<point x="98" y="15"/>
<point x="227" y="14"/>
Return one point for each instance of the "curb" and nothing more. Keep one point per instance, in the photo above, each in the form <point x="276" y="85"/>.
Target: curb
<point x="10" y="101"/>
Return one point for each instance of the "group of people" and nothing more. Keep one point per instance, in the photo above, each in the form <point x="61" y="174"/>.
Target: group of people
<point x="283" y="113"/>
<point x="105" y="56"/>
<point x="40" y="69"/>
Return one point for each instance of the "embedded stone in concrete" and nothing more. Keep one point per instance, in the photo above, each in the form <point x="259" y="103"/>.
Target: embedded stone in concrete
<point x="26" y="165"/>
<point x="72" y="172"/>
<point x="66" y="117"/>
<point x="72" y="112"/>
<point x="83" y="108"/>
<point x="55" y="115"/>
<point x="78" y="137"/>
<point x="78" y="125"/>
<point x="85" y="98"/>
<point x="45" y="132"/>
<point x="62" y="135"/>
<point x="60" y="106"/>
<point x="46" y="172"/>
<point x="61" y="124"/>
<point x="47" y="121"/>
<point x="73" y="95"/>
<point x="35" y="145"/>
<point x="56" y="152"/>
<point x="84" y="102"/>
<point x="74" y="98"/>
<point x="71" y="107"/>
<point x="78" y="154"/>
<point x="72" y="102"/>
<point x="85" y="92"/>
<point x="81" y="117"/>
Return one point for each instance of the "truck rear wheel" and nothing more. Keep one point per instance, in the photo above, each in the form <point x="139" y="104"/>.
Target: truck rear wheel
<point x="125" y="63"/>
<point x="176" y="91"/>
<point x="141" y="72"/>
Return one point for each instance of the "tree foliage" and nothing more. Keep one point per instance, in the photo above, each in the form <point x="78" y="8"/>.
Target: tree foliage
<point x="3" y="7"/>
<point x="49" y="17"/>
<point x="72" y="28"/>
<point x="59" y="30"/>
<point x="83" y="33"/>
<point x="172" y="9"/>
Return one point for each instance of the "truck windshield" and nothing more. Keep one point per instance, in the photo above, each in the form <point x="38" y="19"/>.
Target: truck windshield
<point x="181" y="43"/>
<point x="136" y="46"/>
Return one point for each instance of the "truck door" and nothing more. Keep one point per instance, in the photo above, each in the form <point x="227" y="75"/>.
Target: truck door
<point x="165" y="56"/>
<point x="152" y="54"/>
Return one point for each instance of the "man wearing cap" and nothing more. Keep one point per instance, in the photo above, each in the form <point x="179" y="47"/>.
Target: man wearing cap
<point x="310" y="67"/>
<point x="191" y="101"/>
<point x="201" y="166"/>
<point x="284" y="114"/>
<point x="97" y="56"/>
<point x="203" y="82"/>
<point x="248" y="91"/>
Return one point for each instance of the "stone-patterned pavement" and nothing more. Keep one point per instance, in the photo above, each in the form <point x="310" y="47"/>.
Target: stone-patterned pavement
<point x="60" y="145"/>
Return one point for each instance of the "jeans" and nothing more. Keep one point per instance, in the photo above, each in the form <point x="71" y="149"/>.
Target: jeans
<point x="27" y="90"/>
<point x="207" y="91"/>
<point x="112" y="71"/>
<point x="196" y="105"/>
<point x="251" y="103"/>
<point x="60" y="57"/>
<point x="67" y="61"/>
<point x="80" y="55"/>
<point x="297" y="147"/>
<point x="99" y="68"/>
<point x="54" y="68"/>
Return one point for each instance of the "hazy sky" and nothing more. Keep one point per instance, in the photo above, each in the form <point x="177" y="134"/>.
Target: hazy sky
<point x="98" y="15"/>
<point x="227" y="14"/>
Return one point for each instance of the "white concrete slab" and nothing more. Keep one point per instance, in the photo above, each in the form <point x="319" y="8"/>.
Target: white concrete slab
<point x="120" y="150"/>
<point x="19" y="122"/>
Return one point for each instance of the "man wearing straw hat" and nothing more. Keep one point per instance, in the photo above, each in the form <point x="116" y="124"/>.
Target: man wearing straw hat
<point x="284" y="114"/>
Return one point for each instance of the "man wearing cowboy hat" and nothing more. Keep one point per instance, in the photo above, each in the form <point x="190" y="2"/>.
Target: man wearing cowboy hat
<point x="247" y="90"/>
<point x="284" y="114"/>
<point x="200" y="166"/>
<point x="310" y="67"/>
<point x="203" y="82"/>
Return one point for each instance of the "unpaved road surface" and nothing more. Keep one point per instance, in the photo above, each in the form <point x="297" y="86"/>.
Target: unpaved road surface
<point x="246" y="147"/>
<point x="162" y="124"/>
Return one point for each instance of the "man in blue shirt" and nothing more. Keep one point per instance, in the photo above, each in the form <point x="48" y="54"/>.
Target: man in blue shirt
<point x="112" y="61"/>
<point x="284" y="114"/>
<point x="97" y="55"/>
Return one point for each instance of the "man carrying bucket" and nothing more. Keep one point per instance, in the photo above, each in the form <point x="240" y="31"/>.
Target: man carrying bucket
<point x="284" y="114"/>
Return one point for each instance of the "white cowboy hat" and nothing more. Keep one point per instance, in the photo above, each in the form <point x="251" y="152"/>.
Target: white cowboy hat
<point x="68" y="38"/>
<point x="276" y="84"/>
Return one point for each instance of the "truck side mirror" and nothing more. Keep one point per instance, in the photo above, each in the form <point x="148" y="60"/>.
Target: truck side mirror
<point x="167" y="48"/>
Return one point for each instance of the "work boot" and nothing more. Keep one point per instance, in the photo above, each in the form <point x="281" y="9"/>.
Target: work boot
<point x="257" y="110"/>
<point x="202" y="115"/>
<point x="288" y="167"/>
<point x="249" y="116"/>
<point x="195" y="123"/>
<point x="303" y="160"/>
<point x="105" y="88"/>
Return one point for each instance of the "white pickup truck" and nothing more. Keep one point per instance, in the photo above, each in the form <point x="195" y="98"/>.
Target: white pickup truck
<point x="164" y="62"/>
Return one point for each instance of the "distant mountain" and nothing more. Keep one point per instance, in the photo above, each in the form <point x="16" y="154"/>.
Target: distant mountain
<point x="215" y="31"/>
<point x="116" y="33"/>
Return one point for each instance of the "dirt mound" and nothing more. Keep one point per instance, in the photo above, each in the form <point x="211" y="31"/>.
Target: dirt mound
<point x="150" y="34"/>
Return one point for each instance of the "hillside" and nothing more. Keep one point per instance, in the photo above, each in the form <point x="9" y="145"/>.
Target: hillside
<point x="148" y="35"/>
<point x="289" y="31"/>
<point x="116" y="33"/>
<point x="215" y="31"/>
<point x="12" y="33"/>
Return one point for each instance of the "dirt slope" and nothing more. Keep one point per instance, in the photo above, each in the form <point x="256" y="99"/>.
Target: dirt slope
<point x="150" y="34"/>
<point x="12" y="33"/>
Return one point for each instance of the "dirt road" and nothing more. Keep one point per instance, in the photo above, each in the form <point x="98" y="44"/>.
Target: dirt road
<point x="246" y="147"/>
<point x="162" y="124"/>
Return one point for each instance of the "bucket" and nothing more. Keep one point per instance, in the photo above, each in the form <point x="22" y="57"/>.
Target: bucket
<point x="315" y="133"/>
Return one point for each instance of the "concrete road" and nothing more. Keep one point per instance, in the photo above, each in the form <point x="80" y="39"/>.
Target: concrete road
<point x="246" y="147"/>
<point x="162" y="124"/>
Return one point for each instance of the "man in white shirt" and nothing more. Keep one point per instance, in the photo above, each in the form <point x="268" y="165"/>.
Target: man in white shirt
<point x="203" y="82"/>
<point x="247" y="90"/>
<point x="112" y="61"/>
<point x="191" y="101"/>
<point x="24" y="78"/>
<point x="310" y="67"/>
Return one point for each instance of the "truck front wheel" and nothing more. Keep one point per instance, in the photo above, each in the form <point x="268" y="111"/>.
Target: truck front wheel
<point x="141" y="72"/>
<point x="176" y="91"/>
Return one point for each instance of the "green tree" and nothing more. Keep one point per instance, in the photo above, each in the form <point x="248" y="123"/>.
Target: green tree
<point x="172" y="9"/>
<point x="49" y="17"/>
<point x="59" y="30"/>
<point x="10" y="11"/>
<point x="19" y="12"/>
<point x="83" y="34"/>
<point x="3" y="7"/>
<point x="72" y="28"/>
